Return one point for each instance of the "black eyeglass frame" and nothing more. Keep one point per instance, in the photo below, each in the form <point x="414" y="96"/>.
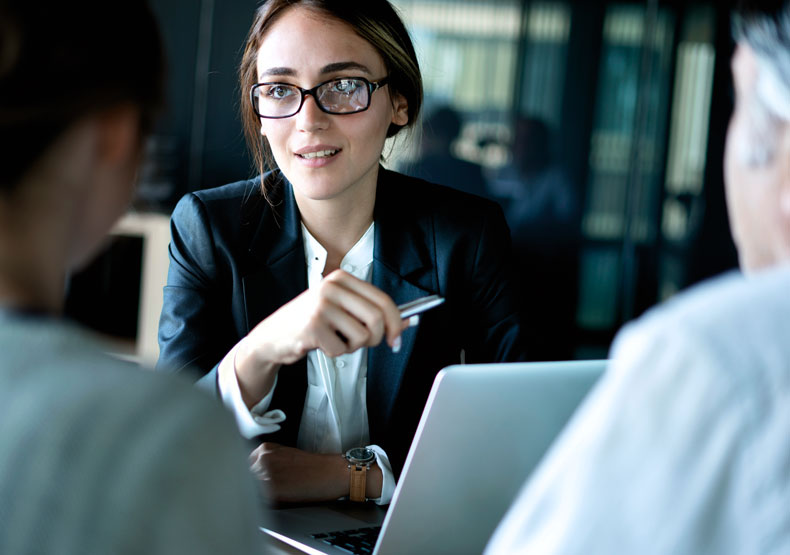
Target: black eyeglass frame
<point x="373" y="86"/>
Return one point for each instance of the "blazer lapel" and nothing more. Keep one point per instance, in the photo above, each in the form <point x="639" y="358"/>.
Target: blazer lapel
<point x="277" y="271"/>
<point x="403" y="267"/>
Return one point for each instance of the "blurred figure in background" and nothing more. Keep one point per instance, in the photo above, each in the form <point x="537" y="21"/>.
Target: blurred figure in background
<point x="684" y="446"/>
<point x="437" y="162"/>
<point x="96" y="456"/>
<point x="542" y="208"/>
<point x="542" y="203"/>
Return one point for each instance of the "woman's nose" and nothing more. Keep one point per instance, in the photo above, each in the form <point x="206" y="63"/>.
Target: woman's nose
<point x="310" y="117"/>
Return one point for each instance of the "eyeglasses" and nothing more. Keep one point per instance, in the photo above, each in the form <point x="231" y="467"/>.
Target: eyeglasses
<point x="347" y="95"/>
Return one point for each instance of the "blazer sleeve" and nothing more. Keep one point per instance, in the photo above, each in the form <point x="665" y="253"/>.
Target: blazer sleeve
<point x="497" y="331"/>
<point x="194" y="324"/>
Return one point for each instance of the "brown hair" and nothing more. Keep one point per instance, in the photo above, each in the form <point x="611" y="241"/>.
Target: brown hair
<point x="374" y="20"/>
<point x="60" y="61"/>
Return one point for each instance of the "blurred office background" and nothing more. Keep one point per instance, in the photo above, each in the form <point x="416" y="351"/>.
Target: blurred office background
<point x="598" y="126"/>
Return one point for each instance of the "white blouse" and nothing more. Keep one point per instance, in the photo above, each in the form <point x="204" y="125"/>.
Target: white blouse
<point x="335" y="416"/>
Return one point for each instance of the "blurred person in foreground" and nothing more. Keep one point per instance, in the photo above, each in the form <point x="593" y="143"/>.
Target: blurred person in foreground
<point x="684" y="447"/>
<point x="96" y="456"/>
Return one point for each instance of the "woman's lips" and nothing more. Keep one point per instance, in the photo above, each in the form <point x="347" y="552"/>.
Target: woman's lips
<point x="318" y="156"/>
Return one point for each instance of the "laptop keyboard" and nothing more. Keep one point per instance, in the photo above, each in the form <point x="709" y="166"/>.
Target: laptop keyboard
<point x="359" y="541"/>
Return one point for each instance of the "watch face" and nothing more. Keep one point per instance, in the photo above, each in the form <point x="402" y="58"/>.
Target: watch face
<point x="360" y="454"/>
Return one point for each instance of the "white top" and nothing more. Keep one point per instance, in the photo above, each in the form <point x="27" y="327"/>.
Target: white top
<point x="684" y="446"/>
<point x="335" y="415"/>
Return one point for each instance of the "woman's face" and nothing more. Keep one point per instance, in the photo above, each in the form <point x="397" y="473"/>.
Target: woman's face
<point x="304" y="49"/>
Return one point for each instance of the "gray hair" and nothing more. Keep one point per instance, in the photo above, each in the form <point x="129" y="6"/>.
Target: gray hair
<point x="767" y="33"/>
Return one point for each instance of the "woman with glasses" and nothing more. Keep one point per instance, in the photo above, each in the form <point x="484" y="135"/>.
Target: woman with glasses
<point x="283" y="289"/>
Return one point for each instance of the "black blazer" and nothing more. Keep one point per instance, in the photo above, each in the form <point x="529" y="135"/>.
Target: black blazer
<point x="235" y="258"/>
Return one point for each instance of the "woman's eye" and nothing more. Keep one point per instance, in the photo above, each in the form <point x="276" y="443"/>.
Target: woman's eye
<point x="346" y="86"/>
<point x="278" y="92"/>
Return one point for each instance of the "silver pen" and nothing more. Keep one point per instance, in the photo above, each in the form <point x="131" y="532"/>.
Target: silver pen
<point x="419" y="305"/>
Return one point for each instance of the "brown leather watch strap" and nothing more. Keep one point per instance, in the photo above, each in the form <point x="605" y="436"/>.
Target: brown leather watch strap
<point x="358" y="481"/>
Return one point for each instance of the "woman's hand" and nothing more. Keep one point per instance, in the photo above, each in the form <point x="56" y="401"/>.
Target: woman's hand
<point x="339" y="316"/>
<point x="293" y="475"/>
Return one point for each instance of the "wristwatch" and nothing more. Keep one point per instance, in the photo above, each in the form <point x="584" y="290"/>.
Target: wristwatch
<point x="359" y="461"/>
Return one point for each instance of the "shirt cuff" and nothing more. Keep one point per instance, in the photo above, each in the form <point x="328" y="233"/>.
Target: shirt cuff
<point x="388" y="478"/>
<point x="253" y="422"/>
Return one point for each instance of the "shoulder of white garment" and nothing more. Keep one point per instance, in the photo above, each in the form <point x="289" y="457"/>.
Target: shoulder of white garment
<point x="694" y="391"/>
<point x="739" y="319"/>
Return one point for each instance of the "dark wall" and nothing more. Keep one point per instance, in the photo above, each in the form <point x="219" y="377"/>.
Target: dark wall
<point x="714" y="252"/>
<point x="199" y="142"/>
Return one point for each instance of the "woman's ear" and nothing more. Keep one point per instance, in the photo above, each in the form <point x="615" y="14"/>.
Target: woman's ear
<point x="400" y="110"/>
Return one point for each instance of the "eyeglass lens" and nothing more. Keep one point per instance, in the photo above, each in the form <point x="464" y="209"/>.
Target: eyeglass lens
<point x="340" y="96"/>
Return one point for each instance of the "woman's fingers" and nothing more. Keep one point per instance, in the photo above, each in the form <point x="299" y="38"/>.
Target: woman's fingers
<point x="356" y="306"/>
<point x="367" y="303"/>
<point x="338" y="332"/>
<point x="341" y="315"/>
<point x="355" y="332"/>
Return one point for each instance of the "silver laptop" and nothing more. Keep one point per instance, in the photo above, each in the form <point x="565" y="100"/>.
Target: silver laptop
<point x="484" y="429"/>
